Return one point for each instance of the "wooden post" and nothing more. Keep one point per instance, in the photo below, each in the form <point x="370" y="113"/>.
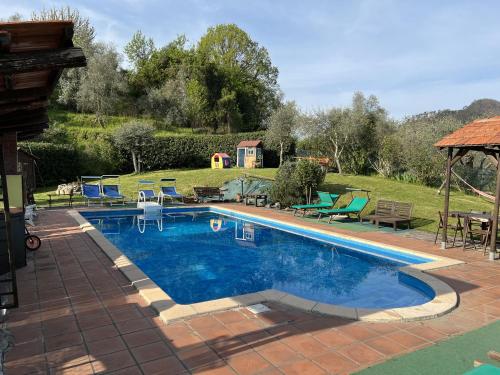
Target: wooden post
<point x="493" y="244"/>
<point x="446" y="198"/>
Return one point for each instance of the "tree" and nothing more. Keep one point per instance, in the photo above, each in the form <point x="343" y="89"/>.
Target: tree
<point x="282" y="125"/>
<point x="242" y="89"/>
<point x="102" y="84"/>
<point x="134" y="138"/>
<point x="84" y="34"/>
<point x="139" y="49"/>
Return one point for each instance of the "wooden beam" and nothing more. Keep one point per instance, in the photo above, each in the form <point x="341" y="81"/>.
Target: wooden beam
<point x="9" y="96"/>
<point x="493" y="243"/>
<point x="459" y="155"/>
<point x="26" y="106"/>
<point x="41" y="60"/>
<point x="444" y="239"/>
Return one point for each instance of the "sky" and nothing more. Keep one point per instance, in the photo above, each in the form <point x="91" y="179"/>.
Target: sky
<point x="415" y="56"/>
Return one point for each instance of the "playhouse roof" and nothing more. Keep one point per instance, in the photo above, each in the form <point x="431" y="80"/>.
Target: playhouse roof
<point x="254" y="143"/>
<point x="222" y="154"/>
<point x="484" y="132"/>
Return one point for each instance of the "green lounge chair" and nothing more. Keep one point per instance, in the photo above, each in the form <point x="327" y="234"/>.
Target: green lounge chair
<point x="355" y="206"/>
<point x="326" y="200"/>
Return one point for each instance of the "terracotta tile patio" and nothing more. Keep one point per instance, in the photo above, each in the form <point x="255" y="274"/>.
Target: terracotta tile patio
<point x="79" y="315"/>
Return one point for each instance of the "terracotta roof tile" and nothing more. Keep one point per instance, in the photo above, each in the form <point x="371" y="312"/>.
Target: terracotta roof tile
<point x="483" y="132"/>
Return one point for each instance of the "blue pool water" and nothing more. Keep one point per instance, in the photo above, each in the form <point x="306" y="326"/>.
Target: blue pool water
<point x="200" y="256"/>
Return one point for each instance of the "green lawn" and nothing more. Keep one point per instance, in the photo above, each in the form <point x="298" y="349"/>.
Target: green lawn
<point x="425" y="199"/>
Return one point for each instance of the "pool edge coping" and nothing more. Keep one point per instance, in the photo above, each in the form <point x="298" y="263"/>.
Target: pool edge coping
<point x="444" y="301"/>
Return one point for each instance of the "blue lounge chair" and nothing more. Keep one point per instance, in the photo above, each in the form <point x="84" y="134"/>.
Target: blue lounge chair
<point x="112" y="191"/>
<point x="169" y="191"/>
<point x="147" y="192"/>
<point x="355" y="206"/>
<point x="326" y="200"/>
<point x="91" y="192"/>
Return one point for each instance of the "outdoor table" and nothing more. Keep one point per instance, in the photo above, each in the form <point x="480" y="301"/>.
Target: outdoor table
<point x="69" y="199"/>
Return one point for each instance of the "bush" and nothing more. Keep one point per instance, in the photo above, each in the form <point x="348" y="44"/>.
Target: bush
<point x="56" y="164"/>
<point x="295" y="182"/>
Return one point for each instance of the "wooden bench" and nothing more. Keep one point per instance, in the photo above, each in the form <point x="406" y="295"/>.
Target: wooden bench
<point x="202" y="194"/>
<point x="391" y="212"/>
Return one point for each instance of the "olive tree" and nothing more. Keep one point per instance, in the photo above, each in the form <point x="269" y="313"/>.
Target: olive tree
<point x="134" y="138"/>
<point x="103" y="83"/>
<point x="282" y="125"/>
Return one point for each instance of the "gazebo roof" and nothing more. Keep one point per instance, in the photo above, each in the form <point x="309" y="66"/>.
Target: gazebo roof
<point x="479" y="133"/>
<point x="32" y="58"/>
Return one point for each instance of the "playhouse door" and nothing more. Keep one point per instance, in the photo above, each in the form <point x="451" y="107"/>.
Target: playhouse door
<point x="241" y="157"/>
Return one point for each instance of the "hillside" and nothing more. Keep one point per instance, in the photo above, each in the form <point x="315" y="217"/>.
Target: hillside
<point x="480" y="108"/>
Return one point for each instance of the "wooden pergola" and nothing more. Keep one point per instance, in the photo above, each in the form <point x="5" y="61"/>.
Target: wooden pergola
<point x="480" y="135"/>
<point x="33" y="56"/>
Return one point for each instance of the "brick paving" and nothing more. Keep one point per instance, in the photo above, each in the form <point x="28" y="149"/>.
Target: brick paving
<point x="79" y="315"/>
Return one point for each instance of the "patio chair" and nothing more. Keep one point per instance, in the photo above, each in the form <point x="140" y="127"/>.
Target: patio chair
<point x="91" y="192"/>
<point x="456" y="228"/>
<point x="326" y="200"/>
<point x="169" y="191"/>
<point x="355" y="207"/>
<point x="477" y="227"/>
<point x="113" y="193"/>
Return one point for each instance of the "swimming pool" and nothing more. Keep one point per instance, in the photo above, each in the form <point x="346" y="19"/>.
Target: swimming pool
<point x="205" y="254"/>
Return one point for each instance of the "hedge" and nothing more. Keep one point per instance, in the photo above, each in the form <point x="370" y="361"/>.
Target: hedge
<point x="57" y="163"/>
<point x="63" y="163"/>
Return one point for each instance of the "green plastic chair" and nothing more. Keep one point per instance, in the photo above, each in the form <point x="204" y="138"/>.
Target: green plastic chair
<point x="355" y="206"/>
<point x="326" y="200"/>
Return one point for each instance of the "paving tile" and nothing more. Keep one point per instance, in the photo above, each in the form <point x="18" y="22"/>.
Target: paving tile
<point x="106" y="346"/>
<point x="34" y="364"/>
<point x="142" y="337"/>
<point x="248" y="363"/>
<point x="83" y="369"/>
<point x="361" y="353"/>
<point x="24" y="351"/>
<point x="303" y="367"/>
<point x="334" y="339"/>
<point x="335" y="363"/>
<point x="58" y="326"/>
<point x="228" y="347"/>
<point x="67" y="357"/>
<point x="217" y="369"/>
<point x="197" y="357"/>
<point x="100" y="333"/>
<point x="357" y="331"/>
<point x="306" y="345"/>
<point x="279" y="354"/>
<point x="427" y="333"/>
<point x="112" y="362"/>
<point x="159" y="366"/>
<point x="133" y="370"/>
<point x="133" y="325"/>
<point x="385" y="346"/>
<point x="244" y="326"/>
<point x="230" y="316"/>
<point x="63" y="341"/>
<point x="406" y="339"/>
<point x="151" y="352"/>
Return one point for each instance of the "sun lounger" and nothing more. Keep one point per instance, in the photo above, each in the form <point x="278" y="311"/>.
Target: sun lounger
<point x="355" y="206"/>
<point x="326" y="200"/>
<point x="112" y="192"/>
<point x="169" y="191"/>
<point x="91" y="193"/>
<point x="147" y="192"/>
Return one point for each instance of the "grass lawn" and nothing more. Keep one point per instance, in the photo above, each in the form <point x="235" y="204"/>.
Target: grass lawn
<point x="453" y="356"/>
<point x="425" y="199"/>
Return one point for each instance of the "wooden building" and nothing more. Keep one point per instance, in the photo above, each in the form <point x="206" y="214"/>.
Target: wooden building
<point x="250" y="154"/>
<point x="32" y="58"/>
